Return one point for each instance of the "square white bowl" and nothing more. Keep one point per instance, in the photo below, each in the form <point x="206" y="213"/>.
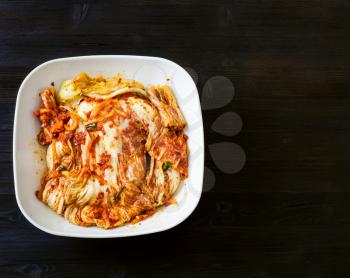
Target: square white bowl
<point x="27" y="154"/>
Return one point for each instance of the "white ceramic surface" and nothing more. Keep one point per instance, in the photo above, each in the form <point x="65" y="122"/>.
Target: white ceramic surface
<point x="28" y="167"/>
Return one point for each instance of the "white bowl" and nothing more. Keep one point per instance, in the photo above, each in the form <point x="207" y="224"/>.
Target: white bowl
<point x="28" y="167"/>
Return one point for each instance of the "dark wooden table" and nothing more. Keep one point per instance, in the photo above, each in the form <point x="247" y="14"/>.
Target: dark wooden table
<point x="286" y="213"/>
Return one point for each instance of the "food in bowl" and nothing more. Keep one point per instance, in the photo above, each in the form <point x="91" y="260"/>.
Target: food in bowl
<point x="116" y="151"/>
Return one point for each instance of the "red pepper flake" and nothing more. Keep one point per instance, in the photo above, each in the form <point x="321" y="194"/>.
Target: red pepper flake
<point x="104" y="159"/>
<point x="100" y="127"/>
<point x="65" y="136"/>
<point x="79" y="138"/>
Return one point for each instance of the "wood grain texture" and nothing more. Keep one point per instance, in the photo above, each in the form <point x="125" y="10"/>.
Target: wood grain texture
<point x="286" y="214"/>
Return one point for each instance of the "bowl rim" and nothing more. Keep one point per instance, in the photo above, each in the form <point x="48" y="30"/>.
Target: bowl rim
<point x="91" y="235"/>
